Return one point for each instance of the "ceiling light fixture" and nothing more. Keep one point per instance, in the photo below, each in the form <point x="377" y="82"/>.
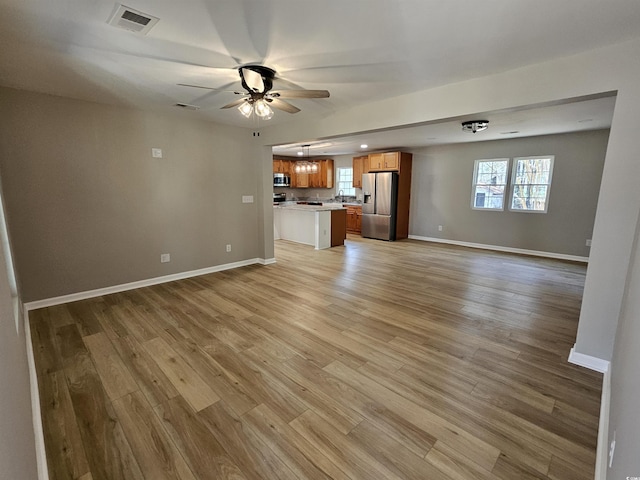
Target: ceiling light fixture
<point x="364" y="145"/>
<point x="305" y="166"/>
<point x="260" y="107"/>
<point x="474" y="126"/>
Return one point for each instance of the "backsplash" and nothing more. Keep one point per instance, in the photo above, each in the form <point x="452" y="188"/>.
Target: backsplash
<point x="318" y="194"/>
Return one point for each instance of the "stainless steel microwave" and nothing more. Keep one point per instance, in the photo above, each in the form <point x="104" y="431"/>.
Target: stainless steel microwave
<point x="281" y="180"/>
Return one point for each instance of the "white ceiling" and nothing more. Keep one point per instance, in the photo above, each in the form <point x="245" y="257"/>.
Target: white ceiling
<point x="360" y="50"/>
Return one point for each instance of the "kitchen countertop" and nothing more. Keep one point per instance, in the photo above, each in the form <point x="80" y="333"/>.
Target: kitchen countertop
<point x="311" y="208"/>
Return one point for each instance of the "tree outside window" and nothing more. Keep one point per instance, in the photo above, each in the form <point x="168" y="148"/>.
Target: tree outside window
<point x="531" y="182"/>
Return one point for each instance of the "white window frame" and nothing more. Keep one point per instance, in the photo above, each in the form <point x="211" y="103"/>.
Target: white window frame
<point x="348" y="191"/>
<point x="475" y="183"/>
<point x="512" y="189"/>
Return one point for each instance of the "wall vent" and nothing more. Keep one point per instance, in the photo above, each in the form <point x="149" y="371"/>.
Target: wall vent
<point x="187" y="106"/>
<point x="132" y="19"/>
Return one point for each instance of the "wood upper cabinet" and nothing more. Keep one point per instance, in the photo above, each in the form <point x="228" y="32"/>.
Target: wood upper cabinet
<point x="300" y="180"/>
<point x="360" y="166"/>
<point x="384" y="162"/>
<point x="281" y="166"/>
<point x="323" y="178"/>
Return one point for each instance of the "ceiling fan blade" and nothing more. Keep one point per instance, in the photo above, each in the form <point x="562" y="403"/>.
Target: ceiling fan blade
<point x="209" y="88"/>
<point x="253" y="79"/>
<point x="300" y="93"/>
<point x="282" y="105"/>
<point x="235" y="103"/>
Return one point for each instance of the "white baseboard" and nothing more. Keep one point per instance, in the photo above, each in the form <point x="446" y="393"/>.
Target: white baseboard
<point x="602" y="451"/>
<point x="73" y="297"/>
<point x="587" y="361"/>
<point x="41" y="454"/>
<point x="498" y="248"/>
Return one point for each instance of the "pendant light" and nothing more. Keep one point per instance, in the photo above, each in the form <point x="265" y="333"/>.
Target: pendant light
<point x="305" y="166"/>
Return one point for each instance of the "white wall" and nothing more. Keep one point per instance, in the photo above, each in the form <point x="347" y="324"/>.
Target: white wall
<point x="17" y="442"/>
<point x="625" y="379"/>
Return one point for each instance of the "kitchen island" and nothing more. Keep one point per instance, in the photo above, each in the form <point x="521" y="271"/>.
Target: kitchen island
<point x="320" y="226"/>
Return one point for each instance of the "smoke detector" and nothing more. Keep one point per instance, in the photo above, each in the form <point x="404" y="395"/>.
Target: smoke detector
<point x="132" y="19"/>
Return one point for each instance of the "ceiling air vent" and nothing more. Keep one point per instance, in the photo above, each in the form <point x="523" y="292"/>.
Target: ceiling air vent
<point x="132" y="19"/>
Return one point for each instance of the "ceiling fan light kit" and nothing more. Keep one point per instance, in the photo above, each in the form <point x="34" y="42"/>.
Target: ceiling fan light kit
<point x="257" y="80"/>
<point x="474" y="126"/>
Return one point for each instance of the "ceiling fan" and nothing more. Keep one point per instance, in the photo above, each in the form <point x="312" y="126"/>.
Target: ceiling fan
<point x="259" y="97"/>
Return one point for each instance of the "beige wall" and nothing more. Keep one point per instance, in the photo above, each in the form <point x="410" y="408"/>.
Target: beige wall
<point x="441" y="194"/>
<point x="88" y="206"/>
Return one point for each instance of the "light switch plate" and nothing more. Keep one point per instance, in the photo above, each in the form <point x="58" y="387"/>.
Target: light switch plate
<point x="156" y="152"/>
<point x="247" y="199"/>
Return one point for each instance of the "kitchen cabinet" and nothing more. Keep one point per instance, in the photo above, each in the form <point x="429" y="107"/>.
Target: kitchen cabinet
<point x="300" y="180"/>
<point x="281" y="166"/>
<point x="338" y="227"/>
<point x="360" y="166"/>
<point x="354" y="219"/>
<point x="384" y="162"/>
<point x="323" y="178"/>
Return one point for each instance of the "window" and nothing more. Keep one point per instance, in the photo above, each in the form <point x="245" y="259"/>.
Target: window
<point x="344" y="185"/>
<point x="489" y="184"/>
<point x="530" y="183"/>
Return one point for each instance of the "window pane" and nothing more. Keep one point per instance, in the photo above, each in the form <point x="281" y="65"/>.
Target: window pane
<point x="489" y="197"/>
<point x="533" y="170"/>
<point x="529" y="197"/>
<point x="490" y="182"/>
<point x="531" y="183"/>
<point x="344" y="185"/>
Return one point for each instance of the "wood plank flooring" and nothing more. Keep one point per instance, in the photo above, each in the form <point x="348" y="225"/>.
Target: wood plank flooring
<point x="375" y="360"/>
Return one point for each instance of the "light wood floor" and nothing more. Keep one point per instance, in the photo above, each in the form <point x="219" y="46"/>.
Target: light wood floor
<point x="376" y="360"/>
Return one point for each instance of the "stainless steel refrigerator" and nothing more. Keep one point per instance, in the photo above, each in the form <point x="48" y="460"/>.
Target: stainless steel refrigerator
<point x="379" y="205"/>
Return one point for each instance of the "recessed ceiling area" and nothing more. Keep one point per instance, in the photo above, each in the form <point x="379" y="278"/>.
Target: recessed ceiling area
<point x="574" y="116"/>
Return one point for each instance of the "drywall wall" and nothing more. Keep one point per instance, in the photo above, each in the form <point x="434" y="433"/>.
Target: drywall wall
<point x="89" y="207"/>
<point x="17" y="442"/>
<point x="441" y="194"/>
<point x="624" y="420"/>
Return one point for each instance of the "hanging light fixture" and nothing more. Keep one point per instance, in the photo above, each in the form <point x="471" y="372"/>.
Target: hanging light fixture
<point x="474" y="126"/>
<point x="305" y="166"/>
<point x="260" y="107"/>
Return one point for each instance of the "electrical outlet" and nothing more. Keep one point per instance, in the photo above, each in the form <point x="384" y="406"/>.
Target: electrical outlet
<point x="588" y="242"/>
<point x="228" y="247"/>
<point x="439" y="228"/>
<point x="165" y="257"/>
<point x="156" y="152"/>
